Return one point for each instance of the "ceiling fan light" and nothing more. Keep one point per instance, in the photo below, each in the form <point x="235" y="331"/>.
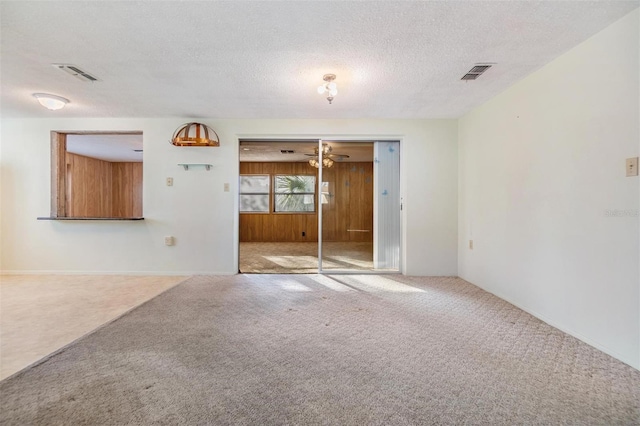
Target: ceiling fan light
<point x="51" y="102"/>
<point x="327" y="162"/>
<point x="314" y="163"/>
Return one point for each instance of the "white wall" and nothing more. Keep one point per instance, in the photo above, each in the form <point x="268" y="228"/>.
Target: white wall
<point x="539" y="167"/>
<point x="196" y="210"/>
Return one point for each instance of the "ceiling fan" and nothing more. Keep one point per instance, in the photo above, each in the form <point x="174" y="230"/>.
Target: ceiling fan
<point x="327" y="157"/>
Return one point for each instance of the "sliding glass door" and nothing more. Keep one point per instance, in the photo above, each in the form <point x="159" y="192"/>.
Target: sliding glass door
<point x="309" y="206"/>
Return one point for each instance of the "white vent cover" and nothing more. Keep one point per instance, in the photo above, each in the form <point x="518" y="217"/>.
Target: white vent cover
<point x="76" y="72"/>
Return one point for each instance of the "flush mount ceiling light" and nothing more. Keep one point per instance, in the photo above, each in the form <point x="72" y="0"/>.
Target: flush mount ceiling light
<point x="329" y="87"/>
<point x="51" y="102"/>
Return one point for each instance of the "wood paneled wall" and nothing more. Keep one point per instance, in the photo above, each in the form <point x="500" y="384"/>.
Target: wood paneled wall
<point x="348" y="214"/>
<point x="349" y="206"/>
<point x="126" y="189"/>
<point x="97" y="188"/>
<point x="88" y="187"/>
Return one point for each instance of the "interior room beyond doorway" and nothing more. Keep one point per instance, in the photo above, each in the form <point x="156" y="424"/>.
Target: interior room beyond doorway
<point x="280" y="197"/>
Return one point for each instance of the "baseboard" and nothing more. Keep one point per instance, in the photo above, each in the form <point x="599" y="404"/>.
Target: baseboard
<point x="631" y="362"/>
<point x="148" y="273"/>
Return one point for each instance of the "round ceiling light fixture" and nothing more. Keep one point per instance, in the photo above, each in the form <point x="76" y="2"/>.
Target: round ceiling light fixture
<point x="51" y="102"/>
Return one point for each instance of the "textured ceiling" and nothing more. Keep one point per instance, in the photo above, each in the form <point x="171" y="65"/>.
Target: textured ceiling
<point x="265" y="59"/>
<point x="107" y="147"/>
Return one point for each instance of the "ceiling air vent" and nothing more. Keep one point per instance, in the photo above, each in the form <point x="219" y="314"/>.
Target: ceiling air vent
<point x="287" y="151"/>
<point x="76" y="72"/>
<point x="475" y="72"/>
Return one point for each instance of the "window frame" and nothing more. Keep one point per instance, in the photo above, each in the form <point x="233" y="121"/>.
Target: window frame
<point x="272" y="194"/>
<point x="314" y="193"/>
<point x="268" y="194"/>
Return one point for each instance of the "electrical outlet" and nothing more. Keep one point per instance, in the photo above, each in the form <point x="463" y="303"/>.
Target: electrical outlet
<point x="304" y="234"/>
<point x="169" y="181"/>
<point x="169" y="241"/>
<point x="632" y="166"/>
<point x="470" y="244"/>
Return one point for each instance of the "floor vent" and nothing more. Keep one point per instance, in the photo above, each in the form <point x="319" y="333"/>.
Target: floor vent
<point x="76" y="72"/>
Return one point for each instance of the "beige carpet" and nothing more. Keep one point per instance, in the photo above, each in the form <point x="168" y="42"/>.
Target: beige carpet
<point x="302" y="258"/>
<point x="325" y="350"/>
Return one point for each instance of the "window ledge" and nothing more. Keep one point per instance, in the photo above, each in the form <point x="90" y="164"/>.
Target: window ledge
<point x="91" y="218"/>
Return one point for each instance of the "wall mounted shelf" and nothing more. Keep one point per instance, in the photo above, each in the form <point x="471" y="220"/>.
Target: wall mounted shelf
<point x="186" y="166"/>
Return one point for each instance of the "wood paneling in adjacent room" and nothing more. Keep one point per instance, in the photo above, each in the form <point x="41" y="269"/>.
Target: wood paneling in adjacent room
<point x="278" y="227"/>
<point x="89" y="183"/>
<point x="136" y="188"/>
<point x="127" y="189"/>
<point x="348" y="215"/>
<point x="97" y="188"/>
<point x="361" y="203"/>
<point x="349" y="206"/>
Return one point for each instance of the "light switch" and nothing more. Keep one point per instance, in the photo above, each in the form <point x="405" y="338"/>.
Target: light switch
<point x="632" y="166"/>
<point x="226" y="187"/>
<point x="470" y="244"/>
<point x="169" y="181"/>
<point x="169" y="241"/>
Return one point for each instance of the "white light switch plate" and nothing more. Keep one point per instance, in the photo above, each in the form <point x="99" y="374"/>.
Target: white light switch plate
<point x="169" y="181"/>
<point x="226" y="187"/>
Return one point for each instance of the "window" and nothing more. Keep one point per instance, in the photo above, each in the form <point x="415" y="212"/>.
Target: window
<point x="291" y="194"/>
<point x="254" y="193"/>
<point x="294" y="193"/>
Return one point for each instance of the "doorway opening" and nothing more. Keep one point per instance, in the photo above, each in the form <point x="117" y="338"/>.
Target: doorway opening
<point x="308" y="205"/>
